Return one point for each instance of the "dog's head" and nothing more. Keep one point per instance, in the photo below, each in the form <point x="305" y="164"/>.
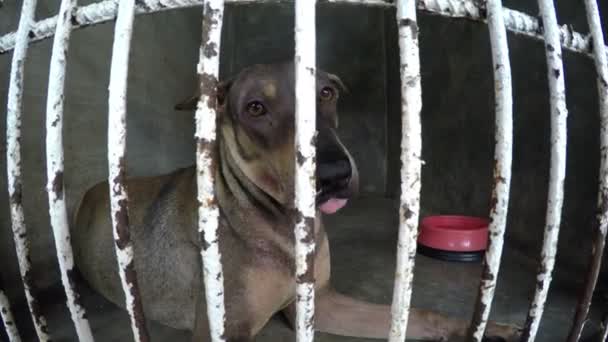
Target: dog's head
<point x="256" y="112"/>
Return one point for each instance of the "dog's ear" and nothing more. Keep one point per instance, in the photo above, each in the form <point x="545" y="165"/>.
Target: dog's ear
<point x="191" y="102"/>
<point x="338" y="82"/>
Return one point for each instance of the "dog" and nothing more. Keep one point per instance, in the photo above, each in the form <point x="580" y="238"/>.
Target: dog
<point x="254" y="187"/>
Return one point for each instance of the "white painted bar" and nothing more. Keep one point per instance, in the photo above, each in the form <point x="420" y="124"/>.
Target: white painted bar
<point x="605" y="331"/>
<point x="7" y="318"/>
<point x="502" y="168"/>
<point x="557" y="173"/>
<point x="14" y="113"/>
<point x="515" y="21"/>
<point x="411" y="149"/>
<point x="305" y="182"/>
<point x="208" y="212"/>
<point x="117" y="146"/>
<point x="54" y="168"/>
<point x="601" y="220"/>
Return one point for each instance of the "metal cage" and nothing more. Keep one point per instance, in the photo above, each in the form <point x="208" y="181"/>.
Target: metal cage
<point x="498" y="19"/>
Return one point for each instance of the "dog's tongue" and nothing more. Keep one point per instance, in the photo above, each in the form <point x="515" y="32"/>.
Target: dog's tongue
<point x="332" y="205"/>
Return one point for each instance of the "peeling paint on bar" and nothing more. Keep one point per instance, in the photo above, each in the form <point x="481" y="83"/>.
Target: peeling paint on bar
<point x="559" y="115"/>
<point x="502" y="169"/>
<point x="206" y="152"/>
<point x="515" y="21"/>
<point x="13" y="165"/>
<point x="305" y="182"/>
<point x="7" y="316"/>
<point x="117" y="145"/>
<point x="411" y="146"/>
<point x="54" y="166"/>
<point x="601" y="220"/>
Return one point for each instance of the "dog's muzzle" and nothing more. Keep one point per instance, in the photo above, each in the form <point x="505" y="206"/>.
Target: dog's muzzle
<point x="333" y="185"/>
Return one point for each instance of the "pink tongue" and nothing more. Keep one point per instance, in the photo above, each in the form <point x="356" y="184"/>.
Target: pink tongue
<point x="333" y="205"/>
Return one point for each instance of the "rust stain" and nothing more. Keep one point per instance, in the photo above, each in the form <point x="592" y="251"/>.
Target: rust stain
<point x="309" y="275"/>
<point x="138" y="312"/>
<point x="556" y="73"/>
<point x="209" y="20"/>
<point x="210" y="50"/>
<point x="209" y="146"/>
<point x="407" y="212"/>
<point x="16" y="194"/>
<point x="28" y="281"/>
<point x="71" y="274"/>
<point x="412" y="25"/>
<point x="541" y="26"/>
<point x="57" y="185"/>
<point x="300" y="158"/>
<point x="487" y="275"/>
<point x="477" y="318"/>
<point x="122" y="225"/>
<point x="483" y="8"/>
<point x="309" y="238"/>
<point x="208" y="85"/>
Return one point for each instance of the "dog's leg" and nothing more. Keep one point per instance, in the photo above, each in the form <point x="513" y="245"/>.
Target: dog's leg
<point x="342" y="315"/>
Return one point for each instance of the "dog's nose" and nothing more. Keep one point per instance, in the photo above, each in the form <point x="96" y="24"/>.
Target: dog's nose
<point x="333" y="175"/>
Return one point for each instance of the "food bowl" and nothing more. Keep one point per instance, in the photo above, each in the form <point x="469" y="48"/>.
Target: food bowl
<point x="453" y="237"/>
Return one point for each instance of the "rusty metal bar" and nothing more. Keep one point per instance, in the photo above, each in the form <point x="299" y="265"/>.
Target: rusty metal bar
<point x="117" y="145"/>
<point x="557" y="174"/>
<point x="7" y="316"/>
<point x="411" y="146"/>
<point x="305" y="182"/>
<point x="13" y="165"/>
<point x="502" y="168"/>
<point x="515" y="21"/>
<point x="206" y="152"/>
<point x="601" y="220"/>
<point x="54" y="168"/>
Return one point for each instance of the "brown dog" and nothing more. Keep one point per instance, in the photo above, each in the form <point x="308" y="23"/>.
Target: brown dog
<point x="255" y="192"/>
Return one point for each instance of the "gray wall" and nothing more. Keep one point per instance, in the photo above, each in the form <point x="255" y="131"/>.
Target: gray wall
<point x="360" y="46"/>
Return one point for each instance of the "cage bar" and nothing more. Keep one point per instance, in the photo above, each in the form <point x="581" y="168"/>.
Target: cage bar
<point x="411" y="146"/>
<point x="502" y="168"/>
<point x="13" y="165"/>
<point x="515" y="21"/>
<point x="605" y="329"/>
<point x="117" y="145"/>
<point x="7" y="316"/>
<point x="601" y="220"/>
<point x="54" y="166"/>
<point x="557" y="173"/>
<point x="208" y="212"/>
<point x="305" y="182"/>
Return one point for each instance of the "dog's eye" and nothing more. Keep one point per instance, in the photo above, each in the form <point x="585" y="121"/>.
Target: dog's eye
<point x="255" y="108"/>
<point x="326" y="94"/>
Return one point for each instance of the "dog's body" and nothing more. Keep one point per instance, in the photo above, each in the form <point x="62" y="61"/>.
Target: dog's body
<point x="254" y="189"/>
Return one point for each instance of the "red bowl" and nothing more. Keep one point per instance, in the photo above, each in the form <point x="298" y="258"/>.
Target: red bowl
<point x="454" y="233"/>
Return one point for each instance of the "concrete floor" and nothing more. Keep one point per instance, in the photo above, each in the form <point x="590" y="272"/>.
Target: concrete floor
<point x="362" y="238"/>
